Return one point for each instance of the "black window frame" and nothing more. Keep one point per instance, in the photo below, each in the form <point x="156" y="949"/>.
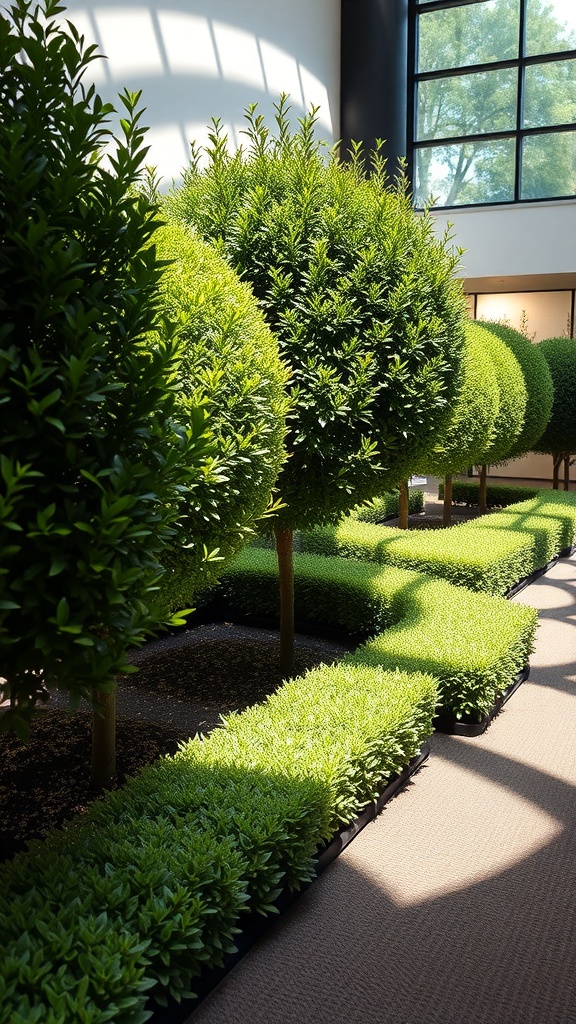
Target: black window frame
<point x="518" y="134"/>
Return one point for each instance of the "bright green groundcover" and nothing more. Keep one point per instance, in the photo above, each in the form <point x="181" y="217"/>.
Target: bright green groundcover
<point x="490" y="553"/>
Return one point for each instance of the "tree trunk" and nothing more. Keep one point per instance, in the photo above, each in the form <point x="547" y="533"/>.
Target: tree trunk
<point x="403" y="506"/>
<point x="566" y="472"/>
<point x="103" y="769"/>
<point x="557" y="460"/>
<point x="482" y="499"/>
<point x="284" y="542"/>
<point x="447" y="514"/>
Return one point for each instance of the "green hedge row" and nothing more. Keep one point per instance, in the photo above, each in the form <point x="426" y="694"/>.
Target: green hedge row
<point x="488" y="554"/>
<point x="386" y="507"/>
<point x="473" y="644"/>
<point x="465" y="492"/>
<point x="131" y="902"/>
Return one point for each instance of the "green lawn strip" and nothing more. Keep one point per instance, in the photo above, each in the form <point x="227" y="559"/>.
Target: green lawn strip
<point x="473" y="644"/>
<point x="134" y="899"/>
<point x="465" y="492"/>
<point x="490" y="553"/>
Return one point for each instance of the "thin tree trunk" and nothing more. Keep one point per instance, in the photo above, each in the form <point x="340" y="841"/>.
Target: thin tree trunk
<point x="557" y="460"/>
<point x="482" y="499"/>
<point x="284" y="544"/>
<point x="103" y="769"/>
<point x="566" y="472"/>
<point x="403" y="506"/>
<point x="447" y="514"/>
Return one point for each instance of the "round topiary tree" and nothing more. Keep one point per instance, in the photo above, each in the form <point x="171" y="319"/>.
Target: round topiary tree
<point x="511" y="403"/>
<point x="539" y="387"/>
<point x="229" y="364"/>
<point x="362" y="299"/>
<point x="469" y="433"/>
<point x="93" y="468"/>
<point x="559" y="437"/>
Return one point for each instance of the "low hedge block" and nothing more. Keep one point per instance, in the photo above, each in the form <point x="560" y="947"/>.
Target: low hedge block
<point x="386" y="506"/>
<point x="490" y="564"/>
<point x="550" y="519"/>
<point x="134" y="899"/>
<point x="473" y="644"/>
<point x="465" y="492"/>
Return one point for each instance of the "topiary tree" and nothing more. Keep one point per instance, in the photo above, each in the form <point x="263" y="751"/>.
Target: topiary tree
<point x="361" y="297"/>
<point x="229" y="364"/>
<point x="93" y="468"/>
<point x="538" y="382"/>
<point x="559" y="437"/>
<point x="511" y="403"/>
<point x="469" y="433"/>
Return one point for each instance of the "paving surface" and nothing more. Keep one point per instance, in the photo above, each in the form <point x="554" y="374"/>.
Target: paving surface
<point x="457" y="904"/>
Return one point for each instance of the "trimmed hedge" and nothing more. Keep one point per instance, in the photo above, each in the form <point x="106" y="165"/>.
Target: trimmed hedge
<point x="386" y="507"/>
<point x="133" y="900"/>
<point x="513" y="395"/>
<point x="465" y="492"/>
<point x="473" y="644"/>
<point x="559" y="437"/>
<point x="466" y="560"/>
<point x="488" y="554"/>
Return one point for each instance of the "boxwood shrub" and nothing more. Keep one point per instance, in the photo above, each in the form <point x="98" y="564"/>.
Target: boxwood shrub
<point x="490" y="553"/>
<point x="465" y="492"/>
<point x="132" y="901"/>
<point x="386" y="507"/>
<point x="473" y="644"/>
<point x="465" y="559"/>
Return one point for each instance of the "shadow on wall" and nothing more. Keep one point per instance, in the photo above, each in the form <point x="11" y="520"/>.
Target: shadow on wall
<point x="195" y="59"/>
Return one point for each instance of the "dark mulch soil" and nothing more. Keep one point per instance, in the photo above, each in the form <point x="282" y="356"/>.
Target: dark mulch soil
<point x="183" y="686"/>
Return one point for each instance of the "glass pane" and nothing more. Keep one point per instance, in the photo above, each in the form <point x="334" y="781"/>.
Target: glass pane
<point x="550" y="26"/>
<point x="550" y="94"/>
<point x="477" y="33"/>
<point x="467" y="104"/>
<point x="549" y="165"/>
<point x="471" y="172"/>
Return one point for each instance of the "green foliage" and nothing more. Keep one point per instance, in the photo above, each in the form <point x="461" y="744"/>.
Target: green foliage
<point x="92" y="470"/>
<point x="467" y="436"/>
<point x="144" y="892"/>
<point x="465" y="492"/>
<point x="472" y="644"/>
<point x="512" y="394"/>
<point x="539" y="387"/>
<point x="230" y="363"/>
<point x="490" y="553"/>
<point x="359" y="293"/>
<point x="559" y="438"/>
<point x="489" y="563"/>
<point x="386" y="507"/>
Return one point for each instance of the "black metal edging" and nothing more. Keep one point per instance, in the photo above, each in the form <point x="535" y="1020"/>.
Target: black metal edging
<point x="257" y="925"/>
<point x="446" y="723"/>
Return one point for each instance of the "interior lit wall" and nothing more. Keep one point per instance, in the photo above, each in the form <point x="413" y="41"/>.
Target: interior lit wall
<point x="195" y="59"/>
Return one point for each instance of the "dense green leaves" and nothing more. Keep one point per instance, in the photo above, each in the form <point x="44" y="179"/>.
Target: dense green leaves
<point x="359" y="293"/>
<point x="93" y="470"/>
<point x="539" y="387"/>
<point x="559" y="437"/>
<point x="229" y="363"/>
<point x="512" y="396"/>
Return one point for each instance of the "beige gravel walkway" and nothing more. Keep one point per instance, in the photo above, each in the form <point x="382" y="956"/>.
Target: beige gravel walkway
<point x="457" y="905"/>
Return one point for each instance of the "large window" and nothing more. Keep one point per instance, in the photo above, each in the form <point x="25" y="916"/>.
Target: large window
<point x="494" y="112"/>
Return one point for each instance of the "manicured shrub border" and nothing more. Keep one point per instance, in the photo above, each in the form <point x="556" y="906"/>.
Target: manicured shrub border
<point x="465" y="492"/>
<point x="491" y="553"/>
<point x="472" y="643"/>
<point x="134" y="900"/>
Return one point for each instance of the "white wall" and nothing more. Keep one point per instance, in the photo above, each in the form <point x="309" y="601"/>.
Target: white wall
<point x="195" y="59"/>
<point x="514" y="241"/>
